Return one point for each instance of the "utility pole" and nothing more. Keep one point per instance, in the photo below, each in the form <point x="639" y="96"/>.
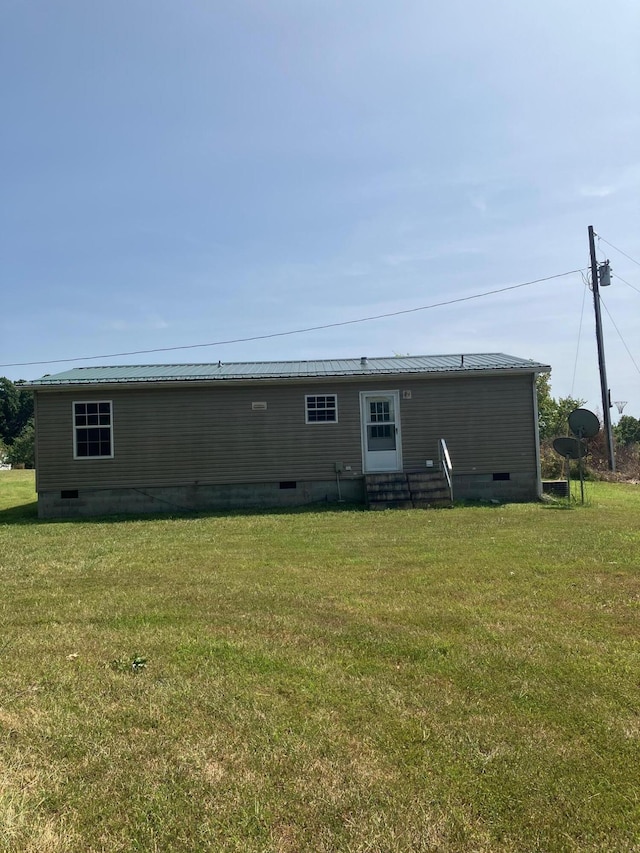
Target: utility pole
<point x="604" y="388"/>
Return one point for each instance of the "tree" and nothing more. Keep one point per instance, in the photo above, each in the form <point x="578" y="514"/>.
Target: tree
<point x="546" y="405"/>
<point x="9" y="407"/>
<point x="553" y="414"/>
<point x="22" y="450"/>
<point x="627" y="430"/>
<point x="16" y="409"/>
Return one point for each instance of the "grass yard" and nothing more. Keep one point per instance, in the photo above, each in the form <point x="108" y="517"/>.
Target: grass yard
<point x="326" y="680"/>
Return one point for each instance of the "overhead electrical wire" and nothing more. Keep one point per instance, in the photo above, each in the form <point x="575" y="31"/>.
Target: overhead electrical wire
<point x="628" y="283"/>
<point x="624" y="343"/>
<point x="633" y="287"/>
<point x="298" y="331"/>
<point x="618" y="250"/>
<point x="575" y="364"/>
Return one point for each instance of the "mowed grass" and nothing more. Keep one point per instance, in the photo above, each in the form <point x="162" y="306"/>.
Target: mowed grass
<point x="321" y="680"/>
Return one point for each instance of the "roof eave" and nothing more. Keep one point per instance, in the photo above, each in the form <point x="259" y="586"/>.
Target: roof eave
<point x="368" y="375"/>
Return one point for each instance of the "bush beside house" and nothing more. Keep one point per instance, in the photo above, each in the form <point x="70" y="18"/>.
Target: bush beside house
<point x="553" y="422"/>
<point x="16" y="424"/>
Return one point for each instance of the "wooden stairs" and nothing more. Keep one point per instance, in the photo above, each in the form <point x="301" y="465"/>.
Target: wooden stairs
<point x="407" y="490"/>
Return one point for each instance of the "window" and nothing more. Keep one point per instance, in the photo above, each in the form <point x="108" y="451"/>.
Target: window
<point x="92" y="430"/>
<point x="321" y="408"/>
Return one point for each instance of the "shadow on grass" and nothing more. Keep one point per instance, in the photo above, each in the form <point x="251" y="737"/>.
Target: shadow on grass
<point x="564" y="505"/>
<point x="28" y="514"/>
<point x="21" y="514"/>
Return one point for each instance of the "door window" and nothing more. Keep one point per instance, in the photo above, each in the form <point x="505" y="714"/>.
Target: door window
<point x="381" y="431"/>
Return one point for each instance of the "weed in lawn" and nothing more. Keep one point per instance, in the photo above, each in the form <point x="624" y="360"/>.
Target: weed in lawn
<point x="134" y="664"/>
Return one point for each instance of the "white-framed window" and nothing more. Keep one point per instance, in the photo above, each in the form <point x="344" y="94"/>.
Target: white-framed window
<point x="93" y="429"/>
<point x="321" y="408"/>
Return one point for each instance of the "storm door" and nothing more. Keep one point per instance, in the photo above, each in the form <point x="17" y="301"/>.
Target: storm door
<point x="380" y="418"/>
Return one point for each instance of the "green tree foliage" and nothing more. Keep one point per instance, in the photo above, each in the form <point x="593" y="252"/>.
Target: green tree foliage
<point x="16" y="409"/>
<point x="22" y="449"/>
<point x="546" y="404"/>
<point x="627" y="430"/>
<point x="17" y="434"/>
<point x="552" y="413"/>
<point x="8" y="409"/>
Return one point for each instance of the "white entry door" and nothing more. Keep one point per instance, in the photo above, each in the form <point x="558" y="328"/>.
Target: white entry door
<point x="380" y="418"/>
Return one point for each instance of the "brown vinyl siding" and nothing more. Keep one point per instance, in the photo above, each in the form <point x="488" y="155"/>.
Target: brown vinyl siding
<point x="175" y="435"/>
<point x="487" y="422"/>
<point x="208" y="434"/>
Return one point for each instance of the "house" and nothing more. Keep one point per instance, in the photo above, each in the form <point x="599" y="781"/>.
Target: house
<point x="152" y="438"/>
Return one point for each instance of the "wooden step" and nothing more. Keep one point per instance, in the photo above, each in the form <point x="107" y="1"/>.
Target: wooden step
<point x="435" y="494"/>
<point x="425" y="477"/>
<point x="400" y="490"/>
<point x="389" y="495"/>
<point x="390" y="486"/>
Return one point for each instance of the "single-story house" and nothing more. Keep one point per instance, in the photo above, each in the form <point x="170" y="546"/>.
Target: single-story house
<point x="152" y="438"/>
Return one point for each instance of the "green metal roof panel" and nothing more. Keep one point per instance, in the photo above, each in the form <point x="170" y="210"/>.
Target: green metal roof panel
<point x="265" y="370"/>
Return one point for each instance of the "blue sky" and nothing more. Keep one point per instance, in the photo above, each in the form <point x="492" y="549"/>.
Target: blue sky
<point x="182" y="173"/>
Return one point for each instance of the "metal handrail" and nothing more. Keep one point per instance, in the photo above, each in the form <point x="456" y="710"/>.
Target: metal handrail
<point x="445" y="464"/>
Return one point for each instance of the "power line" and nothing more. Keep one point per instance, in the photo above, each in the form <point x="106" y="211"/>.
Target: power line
<point x="575" y="364"/>
<point x="620" y="336"/>
<point x="615" y="275"/>
<point x="618" y="250"/>
<point x="296" y="331"/>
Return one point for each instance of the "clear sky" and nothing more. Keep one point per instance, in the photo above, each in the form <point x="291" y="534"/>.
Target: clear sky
<point x="178" y="173"/>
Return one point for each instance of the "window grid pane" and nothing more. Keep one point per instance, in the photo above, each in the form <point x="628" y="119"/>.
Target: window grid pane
<point x="381" y="431"/>
<point x="92" y="423"/>
<point x="322" y="408"/>
<point x="380" y="411"/>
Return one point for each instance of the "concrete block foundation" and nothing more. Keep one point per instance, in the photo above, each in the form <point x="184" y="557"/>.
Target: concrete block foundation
<point x="508" y="487"/>
<point x="84" y="503"/>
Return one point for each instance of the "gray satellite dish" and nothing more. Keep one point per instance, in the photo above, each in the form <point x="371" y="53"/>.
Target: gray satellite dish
<point x="570" y="448"/>
<point x="584" y="423"/>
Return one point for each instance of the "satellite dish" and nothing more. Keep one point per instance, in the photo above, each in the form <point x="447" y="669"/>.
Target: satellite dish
<point x="570" y="448"/>
<point x="584" y="423"/>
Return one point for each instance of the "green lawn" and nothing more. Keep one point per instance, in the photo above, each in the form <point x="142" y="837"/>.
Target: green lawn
<point x="332" y="680"/>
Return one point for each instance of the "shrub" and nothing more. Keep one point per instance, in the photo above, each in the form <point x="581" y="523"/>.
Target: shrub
<point x="551" y="464"/>
<point x="22" y="450"/>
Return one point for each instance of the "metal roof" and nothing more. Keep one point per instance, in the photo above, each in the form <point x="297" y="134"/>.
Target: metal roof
<point x="271" y="370"/>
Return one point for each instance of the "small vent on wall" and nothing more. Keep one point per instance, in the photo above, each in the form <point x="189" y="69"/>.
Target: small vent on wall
<point x="502" y="476"/>
<point x="259" y="407"/>
<point x="69" y="494"/>
<point x="288" y="484"/>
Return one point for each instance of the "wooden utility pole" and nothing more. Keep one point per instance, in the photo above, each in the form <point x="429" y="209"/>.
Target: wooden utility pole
<point x="604" y="388"/>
